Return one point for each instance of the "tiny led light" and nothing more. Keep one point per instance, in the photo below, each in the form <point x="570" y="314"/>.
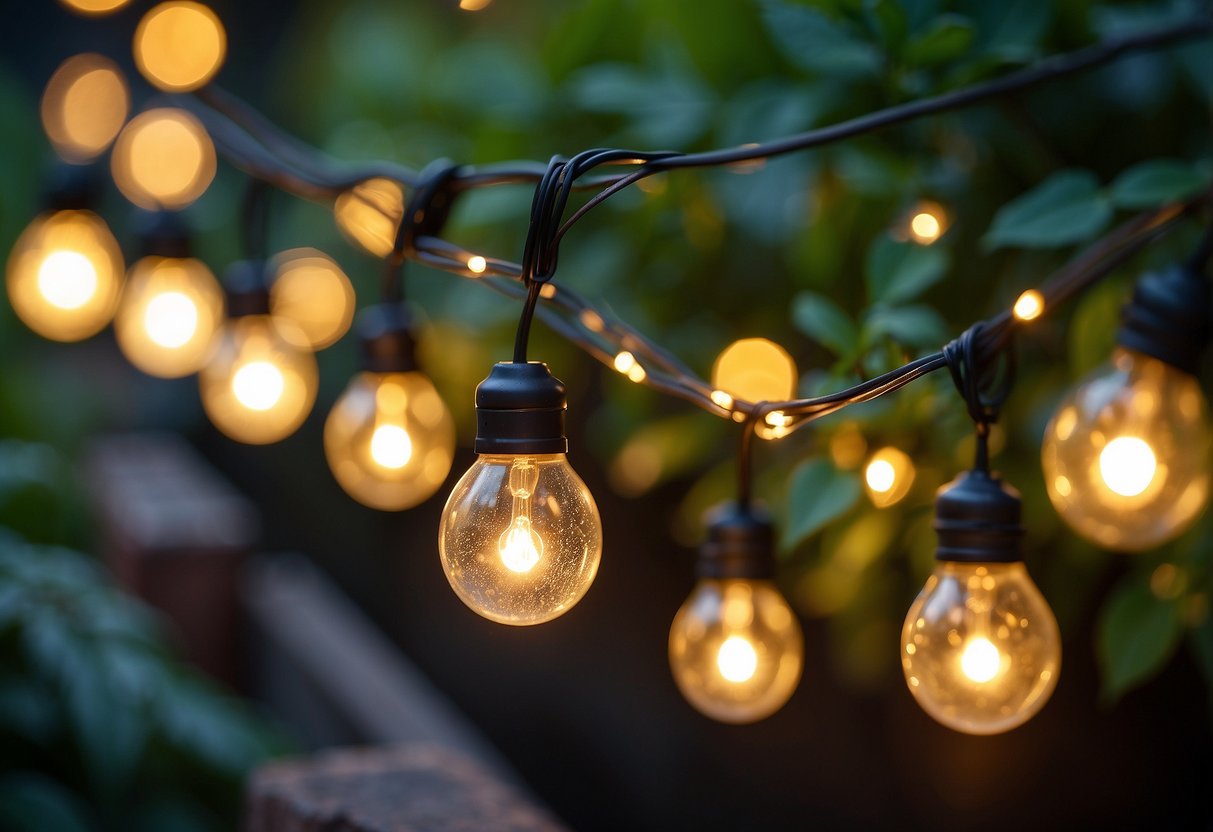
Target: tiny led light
<point x="624" y="362"/>
<point x="1029" y="306"/>
<point x="179" y="46"/>
<point x="928" y="221"/>
<point x="84" y="106"/>
<point x="888" y="477"/>
<point x="722" y="399"/>
<point x="477" y="264"/>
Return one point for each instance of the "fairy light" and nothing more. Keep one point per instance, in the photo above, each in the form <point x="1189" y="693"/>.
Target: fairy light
<point x="477" y="264"/>
<point x="1029" y="306"/>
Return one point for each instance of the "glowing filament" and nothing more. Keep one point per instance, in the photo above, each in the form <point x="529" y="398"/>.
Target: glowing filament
<point x="171" y="319"/>
<point x="736" y="659"/>
<point x="980" y="661"/>
<point x="520" y="546"/>
<point x="391" y="446"/>
<point x="258" y="385"/>
<point x="1127" y="465"/>
<point x="67" y="279"/>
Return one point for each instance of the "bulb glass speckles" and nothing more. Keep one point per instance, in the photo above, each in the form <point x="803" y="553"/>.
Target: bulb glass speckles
<point x="170" y="311"/>
<point x="1126" y="457"/>
<point x="390" y="440"/>
<point x="520" y="538"/>
<point x="980" y="647"/>
<point x="736" y="649"/>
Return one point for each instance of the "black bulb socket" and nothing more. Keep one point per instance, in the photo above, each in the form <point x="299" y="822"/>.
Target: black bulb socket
<point x="162" y="234"/>
<point x="520" y="410"/>
<point x="978" y="518"/>
<point x="385" y="339"/>
<point x="740" y="544"/>
<point x="246" y="288"/>
<point x="1170" y="317"/>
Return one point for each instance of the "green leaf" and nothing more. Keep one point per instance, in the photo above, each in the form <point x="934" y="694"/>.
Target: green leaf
<point x="819" y="494"/>
<point x="1137" y="635"/>
<point x="812" y="41"/>
<point x="914" y="326"/>
<point x="824" y="321"/>
<point x="32" y="802"/>
<point x="1066" y="208"/>
<point x="898" y="272"/>
<point x="1156" y="181"/>
<point x="949" y="37"/>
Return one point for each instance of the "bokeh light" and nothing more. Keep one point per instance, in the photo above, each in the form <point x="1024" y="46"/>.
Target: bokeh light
<point x="1029" y="306"/>
<point x="310" y="289"/>
<point x="755" y="370"/>
<point x="888" y="477"/>
<point x="370" y="213"/>
<point x="163" y="159"/>
<point x="84" y="106"/>
<point x="170" y="311"/>
<point x="180" y="45"/>
<point x="94" y="8"/>
<point x="927" y="222"/>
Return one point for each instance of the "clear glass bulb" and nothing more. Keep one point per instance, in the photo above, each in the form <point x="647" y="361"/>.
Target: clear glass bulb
<point x="736" y="649"/>
<point x="1126" y="457"/>
<point x="980" y="647"/>
<point x="390" y="440"/>
<point x="64" y="275"/>
<point x="520" y="538"/>
<point x="260" y="381"/>
<point x="170" y="311"/>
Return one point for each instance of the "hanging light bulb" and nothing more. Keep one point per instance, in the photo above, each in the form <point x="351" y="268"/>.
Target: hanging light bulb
<point x="1126" y="456"/>
<point x="520" y="537"/>
<point x="172" y="305"/>
<point x="736" y="649"/>
<point x="980" y="646"/>
<point x="260" y="381"/>
<point x="389" y="439"/>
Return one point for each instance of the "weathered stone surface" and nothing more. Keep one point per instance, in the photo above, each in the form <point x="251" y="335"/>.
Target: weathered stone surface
<point x="413" y="788"/>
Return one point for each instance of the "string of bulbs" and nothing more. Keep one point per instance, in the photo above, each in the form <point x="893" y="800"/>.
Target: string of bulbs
<point x="1125" y="457"/>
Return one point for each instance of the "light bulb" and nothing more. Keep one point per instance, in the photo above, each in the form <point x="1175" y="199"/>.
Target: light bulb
<point x="312" y="290"/>
<point x="390" y="440"/>
<point x="170" y="310"/>
<point x="64" y="275"/>
<point x="1126" y="456"/>
<point x="520" y="537"/>
<point x="260" y="381"/>
<point x="736" y="649"/>
<point x="163" y="158"/>
<point x="179" y="45"/>
<point x="84" y="106"/>
<point x="980" y="647"/>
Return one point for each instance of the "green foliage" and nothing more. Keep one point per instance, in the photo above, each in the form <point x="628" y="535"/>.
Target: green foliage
<point x="1157" y="181"/>
<point x="818" y="494"/>
<point x="1138" y="633"/>
<point x="1066" y="208"/>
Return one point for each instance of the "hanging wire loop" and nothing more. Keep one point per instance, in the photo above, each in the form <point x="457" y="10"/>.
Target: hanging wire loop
<point x="984" y="382"/>
<point x="424" y="214"/>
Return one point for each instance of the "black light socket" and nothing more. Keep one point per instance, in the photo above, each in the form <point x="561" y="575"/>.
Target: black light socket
<point x="385" y="339"/>
<point x="740" y="544"/>
<point x="520" y="410"/>
<point x="162" y="234"/>
<point x="978" y="518"/>
<point x="1169" y="317"/>
<point x="246" y="288"/>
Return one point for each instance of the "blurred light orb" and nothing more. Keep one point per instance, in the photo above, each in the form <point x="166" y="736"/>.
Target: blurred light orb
<point x="94" y="8"/>
<point x="477" y="264"/>
<point x="311" y="290"/>
<point x="1029" y="306"/>
<point x="84" y="106"/>
<point x="474" y="5"/>
<point x="888" y="477"/>
<point x="163" y="159"/>
<point x="755" y="370"/>
<point x="179" y="45"/>
<point x="258" y="385"/>
<point x="170" y="311"/>
<point x="64" y="275"/>
<point x="927" y="223"/>
<point x="369" y="214"/>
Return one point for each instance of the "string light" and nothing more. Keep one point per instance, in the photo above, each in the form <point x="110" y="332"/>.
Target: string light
<point x="179" y="45"/>
<point x="888" y="477"/>
<point x="163" y="159"/>
<point x="369" y="214"/>
<point x="1029" y="306"/>
<point x="313" y="292"/>
<point x="84" y="106"/>
<point x="927" y="223"/>
<point x="94" y="8"/>
<point x="477" y="264"/>
<point x="170" y="311"/>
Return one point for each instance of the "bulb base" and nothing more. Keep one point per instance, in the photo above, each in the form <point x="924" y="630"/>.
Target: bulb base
<point x="1169" y="317"/>
<point x="246" y="288"/>
<point x="978" y="518"/>
<point x="385" y="339"/>
<point x="740" y="544"/>
<point x="162" y="234"/>
<point x="520" y="410"/>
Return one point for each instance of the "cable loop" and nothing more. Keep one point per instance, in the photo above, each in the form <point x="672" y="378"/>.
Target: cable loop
<point x="984" y="392"/>
<point x="426" y="211"/>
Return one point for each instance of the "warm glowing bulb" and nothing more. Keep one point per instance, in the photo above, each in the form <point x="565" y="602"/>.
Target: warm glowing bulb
<point x="390" y="440"/>
<point x="369" y="214"/>
<point x="310" y="289"/>
<point x="64" y="275"/>
<point x="179" y="45"/>
<point x="928" y="221"/>
<point x="477" y="264"/>
<point x="1029" y="306"/>
<point x="880" y="475"/>
<point x="755" y="370"/>
<point x="736" y="649"/>
<point x="521" y="538"/>
<point x="163" y="159"/>
<point x="980" y="647"/>
<point x="171" y="319"/>
<point x="1126" y="456"/>
<point x="84" y="106"/>
<point x="94" y="7"/>
<point x="888" y="477"/>
<point x="170" y="311"/>
<point x="260" y="381"/>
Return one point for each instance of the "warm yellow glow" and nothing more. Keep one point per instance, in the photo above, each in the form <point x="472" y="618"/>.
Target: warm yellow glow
<point x="370" y="213"/>
<point x="624" y="362"/>
<point x="391" y="446"/>
<point x="473" y="5"/>
<point x="1030" y="306"/>
<point x="477" y="264"/>
<point x="171" y="319"/>
<point x="258" y="385"/>
<point x="163" y="159"/>
<point x="520" y="546"/>
<point x="880" y="475"/>
<point x="722" y="399"/>
<point x="170" y="311"/>
<point x="980" y="661"/>
<point x="94" y="7"/>
<point x="179" y="46"/>
<point x="84" y="106"/>
<point x="928" y="221"/>
<point x="754" y="370"/>
<point x="848" y="446"/>
<point x="1127" y="465"/>
<point x="888" y="477"/>
<point x="64" y="275"/>
<point x="737" y="660"/>
<point x="311" y="290"/>
<point x="637" y="374"/>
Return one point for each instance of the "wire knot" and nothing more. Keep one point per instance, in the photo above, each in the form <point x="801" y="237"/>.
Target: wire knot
<point x="425" y="213"/>
<point x="982" y="384"/>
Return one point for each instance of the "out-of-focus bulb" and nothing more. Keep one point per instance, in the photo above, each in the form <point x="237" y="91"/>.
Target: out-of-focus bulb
<point x="1126" y="456"/>
<point x="163" y="158"/>
<point x="888" y="477"/>
<point x="736" y="649"/>
<point x="170" y="310"/>
<point x="980" y="647"/>
<point x="94" y="7"/>
<point x="390" y="440"/>
<point x="260" y="381"/>
<point x="369" y="213"/>
<point x="64" y="275"/>
<point x="84" y="106"/>
<point x="520" y="538"/>
<point x="179" y="45"/>
<point x="312" y="290"/>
